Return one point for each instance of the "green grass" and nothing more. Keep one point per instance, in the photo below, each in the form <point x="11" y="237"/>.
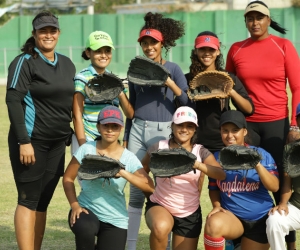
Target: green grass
<point x="58" y="234"/>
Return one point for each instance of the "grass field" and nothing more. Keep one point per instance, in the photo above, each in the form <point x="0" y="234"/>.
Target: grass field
<point x="58" y="235"/>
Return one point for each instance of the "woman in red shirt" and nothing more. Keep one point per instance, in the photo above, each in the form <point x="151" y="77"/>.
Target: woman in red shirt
<point x="264" y="63"/>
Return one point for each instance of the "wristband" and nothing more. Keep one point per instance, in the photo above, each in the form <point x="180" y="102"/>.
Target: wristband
<point x="294" y="128"/>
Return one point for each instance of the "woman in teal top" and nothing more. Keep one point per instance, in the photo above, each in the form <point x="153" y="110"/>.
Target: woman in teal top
<point x="100" y="209"/>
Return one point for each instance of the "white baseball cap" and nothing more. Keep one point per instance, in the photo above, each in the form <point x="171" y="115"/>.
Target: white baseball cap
<point x="258" y="6"/>
<point x="185" y="114"/>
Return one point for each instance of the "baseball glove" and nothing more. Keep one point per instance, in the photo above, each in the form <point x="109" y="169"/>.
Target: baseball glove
<point x="236" y="157"/>
<point x="291" y="160"/>
<point x="210" y="84"/>
<point x="104" y="87"/>
<point x="170" y="162"/>
<point x="144" y="71"/>
<point x="98" y="166"/>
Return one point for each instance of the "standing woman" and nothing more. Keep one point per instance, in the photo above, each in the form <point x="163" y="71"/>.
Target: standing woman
<point x="153" y="109"/>
<point x="99" y="46"/>
<point x="39" y="99"/>
<point x="264" y="63"/>
<point x="242" y="201"/>
<point x="207" y="56"/>
<point x="175" y="204"/>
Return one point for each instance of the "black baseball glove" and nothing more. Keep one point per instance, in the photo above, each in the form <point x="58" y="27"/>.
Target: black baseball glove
<point x="104" y="87"/>
<point x="236" y="157"/>
<point x="291" y="159"/>
<point x="170" y="162"/>
<point x="144" y="71"/>
<point x="98" y="166"/>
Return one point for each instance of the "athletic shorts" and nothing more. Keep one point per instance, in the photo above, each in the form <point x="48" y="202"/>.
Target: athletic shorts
<point x="36" y="183"/>
<point x="189" y="227"/>
<point x="256" y="230"/>
<point x="49" y="155"/>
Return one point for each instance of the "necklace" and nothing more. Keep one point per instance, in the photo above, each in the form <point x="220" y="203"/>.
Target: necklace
<point x="177" y="143"/>
<point x="180" y="146"/>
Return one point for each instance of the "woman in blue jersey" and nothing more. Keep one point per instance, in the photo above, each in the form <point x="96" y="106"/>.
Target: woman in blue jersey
<point x="241" y="202"/>
<point x="39" y="100"/>
<point x="99" y="46"/>
<point x="100" y="209"/>
<point x="153" y="106"/>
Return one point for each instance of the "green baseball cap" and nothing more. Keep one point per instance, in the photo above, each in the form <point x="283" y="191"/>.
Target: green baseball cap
<point x="98" y="39"/>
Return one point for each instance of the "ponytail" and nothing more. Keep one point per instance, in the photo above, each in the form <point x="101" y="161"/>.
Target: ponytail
<point x="275" y="26"/>
<point x="28" y="47"/>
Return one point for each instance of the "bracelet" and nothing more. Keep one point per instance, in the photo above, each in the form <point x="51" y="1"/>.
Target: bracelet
<point x="294" y="128"/>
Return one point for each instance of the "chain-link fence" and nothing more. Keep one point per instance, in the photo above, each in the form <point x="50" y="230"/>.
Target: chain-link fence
<point x="122" y="56"/>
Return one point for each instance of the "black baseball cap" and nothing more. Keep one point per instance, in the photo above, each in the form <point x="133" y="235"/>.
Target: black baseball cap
<point x="235" y="117"/>
<point x="45" y="21"/>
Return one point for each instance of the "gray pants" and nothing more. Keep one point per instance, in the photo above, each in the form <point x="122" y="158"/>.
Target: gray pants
<point x="142" y="135"/>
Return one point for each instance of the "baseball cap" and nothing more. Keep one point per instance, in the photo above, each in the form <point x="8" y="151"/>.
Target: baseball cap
<point x="98" y="39"/>
<point x="257" y="6"/>
<point x="235" y="117"/>
<point x="207" y="41"/>
<point x="156" y="34"/>
<point x="45" y="21"/>
<point x="110" y="114"/>
<point x="298" y="110"/>
<point x="185" y="114"/>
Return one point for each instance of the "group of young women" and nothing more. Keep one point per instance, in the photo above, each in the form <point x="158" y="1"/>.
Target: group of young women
<point x="99" y="219"/>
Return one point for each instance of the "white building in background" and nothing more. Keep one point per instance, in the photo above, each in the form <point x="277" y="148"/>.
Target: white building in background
<point x="143" y="6"/>
<point x="35" y="6"/>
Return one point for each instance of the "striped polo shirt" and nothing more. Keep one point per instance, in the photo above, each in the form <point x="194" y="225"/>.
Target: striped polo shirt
<point x="90" y="109"/>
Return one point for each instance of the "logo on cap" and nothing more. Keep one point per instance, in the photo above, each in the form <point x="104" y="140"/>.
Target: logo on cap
<point x="148" y="32"/>
<point x="100" y="36"/>
<point x="111" y="113"/>
<point x="186" y="113"/>
<point x="252" y="6"/>
<point x="207" y="39"/>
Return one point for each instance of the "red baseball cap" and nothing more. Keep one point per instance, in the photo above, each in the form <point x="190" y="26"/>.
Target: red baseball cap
<point x="207" y="41"/>
<point x="156" y="34"/>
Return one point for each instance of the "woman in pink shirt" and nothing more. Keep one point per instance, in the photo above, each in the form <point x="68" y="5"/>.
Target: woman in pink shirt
<point x="174" y="206"/>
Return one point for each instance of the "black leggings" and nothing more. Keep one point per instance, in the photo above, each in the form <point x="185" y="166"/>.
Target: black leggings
<point x="271" y="136"/>
<point x="88" y="226"/>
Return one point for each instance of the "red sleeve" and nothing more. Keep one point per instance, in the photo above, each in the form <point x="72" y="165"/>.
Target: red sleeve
<point x="292" y="71"/>
<point x="229" y="61"/>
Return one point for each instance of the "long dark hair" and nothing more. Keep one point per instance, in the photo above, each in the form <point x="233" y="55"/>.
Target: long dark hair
<point x="274" y="25"/>
<point x="196" y="66"/>
<point x="170" y="28"/>
<point x="28" y="47"/>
